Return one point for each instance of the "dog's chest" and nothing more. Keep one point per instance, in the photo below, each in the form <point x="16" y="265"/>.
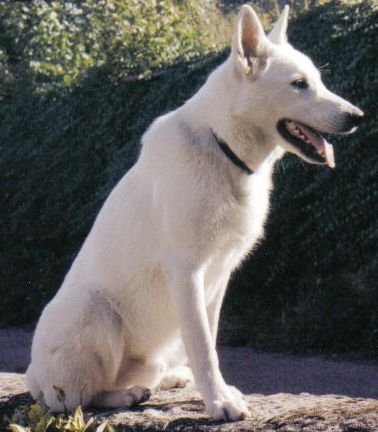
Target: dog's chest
<point x="238" y="218"/>
<point x="236" y="226"/>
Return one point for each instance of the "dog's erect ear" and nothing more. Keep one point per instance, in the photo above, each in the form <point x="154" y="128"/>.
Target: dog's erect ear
<point x="278" y="33"/>
<point x="250" y="43"/>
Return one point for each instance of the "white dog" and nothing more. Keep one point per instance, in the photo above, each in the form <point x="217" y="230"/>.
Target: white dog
<point x="139" y="308"/>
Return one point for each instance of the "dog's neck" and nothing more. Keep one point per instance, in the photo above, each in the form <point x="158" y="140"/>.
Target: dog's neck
<point x="231" y="155"/>
<point x="210" y="110"/>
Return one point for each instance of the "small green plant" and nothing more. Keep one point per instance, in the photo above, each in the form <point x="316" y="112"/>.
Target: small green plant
<point x="37" y="418"/>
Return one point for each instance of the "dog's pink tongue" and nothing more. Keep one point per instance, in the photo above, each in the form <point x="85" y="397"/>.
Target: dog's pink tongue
<point x="322" y="146"/>
<point x="329" y="155"/>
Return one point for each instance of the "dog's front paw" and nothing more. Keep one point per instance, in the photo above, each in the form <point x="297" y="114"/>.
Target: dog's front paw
<point x="231" y="408"/>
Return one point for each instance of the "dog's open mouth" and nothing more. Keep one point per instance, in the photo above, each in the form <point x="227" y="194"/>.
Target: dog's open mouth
<point x="308" y="141"/>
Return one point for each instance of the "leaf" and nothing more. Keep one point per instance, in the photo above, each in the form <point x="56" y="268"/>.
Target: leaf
<point x="17" y="428"/>
<point x="104" y="426"/>
<point x="78" y="419"/>
<point x="68" y="80"/>
<point x="89" y="424"/>
<point x="36" y="412"/>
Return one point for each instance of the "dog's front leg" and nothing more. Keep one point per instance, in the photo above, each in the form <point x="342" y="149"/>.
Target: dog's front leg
<point x="213" y="312"/>
<point x="214" y="308"/>
<point x="188" y="294"/>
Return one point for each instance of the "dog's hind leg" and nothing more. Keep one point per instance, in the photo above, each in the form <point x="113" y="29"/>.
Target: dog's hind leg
<point x="177" y="373"/>
<point x="122" y="398"/>
<point x="33" y="385"/>
<point x="60" y="398"/>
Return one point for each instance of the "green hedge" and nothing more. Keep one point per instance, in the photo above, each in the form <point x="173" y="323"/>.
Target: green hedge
<point x="73" y="106"/>
<point x="59" y="42"/>
<point x="311" y="284"/>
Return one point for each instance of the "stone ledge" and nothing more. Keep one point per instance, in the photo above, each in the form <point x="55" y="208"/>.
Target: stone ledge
<point x="183" y="410"/>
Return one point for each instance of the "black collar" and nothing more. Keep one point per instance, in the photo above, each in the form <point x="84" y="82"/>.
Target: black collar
<point x="231" y="155"/>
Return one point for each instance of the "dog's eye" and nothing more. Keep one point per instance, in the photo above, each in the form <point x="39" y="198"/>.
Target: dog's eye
<point x="301" y="84"/>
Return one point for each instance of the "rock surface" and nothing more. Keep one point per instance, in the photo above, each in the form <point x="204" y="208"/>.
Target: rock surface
<point x="183" y="410"/>
<point x="248" y="370"/>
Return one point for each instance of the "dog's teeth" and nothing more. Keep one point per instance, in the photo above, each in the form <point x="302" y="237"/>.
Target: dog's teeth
<point x="296" y="131"/>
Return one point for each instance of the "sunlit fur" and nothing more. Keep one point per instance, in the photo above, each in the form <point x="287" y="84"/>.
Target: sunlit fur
<point x="150" y="278"/>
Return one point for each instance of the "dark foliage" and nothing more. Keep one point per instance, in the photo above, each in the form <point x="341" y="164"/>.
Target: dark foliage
<point x="62" y="154"/>
<point x="310" y="285"/>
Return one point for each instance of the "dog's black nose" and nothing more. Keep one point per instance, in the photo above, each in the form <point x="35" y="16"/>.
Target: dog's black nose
<point x="354" y="119"/>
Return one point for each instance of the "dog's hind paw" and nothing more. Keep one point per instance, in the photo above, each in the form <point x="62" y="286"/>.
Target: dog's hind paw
<point x="177" y="377"/>
<point x="123" y="398"/>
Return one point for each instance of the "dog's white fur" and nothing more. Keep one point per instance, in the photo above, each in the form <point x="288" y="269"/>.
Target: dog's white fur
<point x="141" y="302"/>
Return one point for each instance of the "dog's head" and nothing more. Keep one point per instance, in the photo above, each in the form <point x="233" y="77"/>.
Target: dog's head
<point x="278" y="89"/>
